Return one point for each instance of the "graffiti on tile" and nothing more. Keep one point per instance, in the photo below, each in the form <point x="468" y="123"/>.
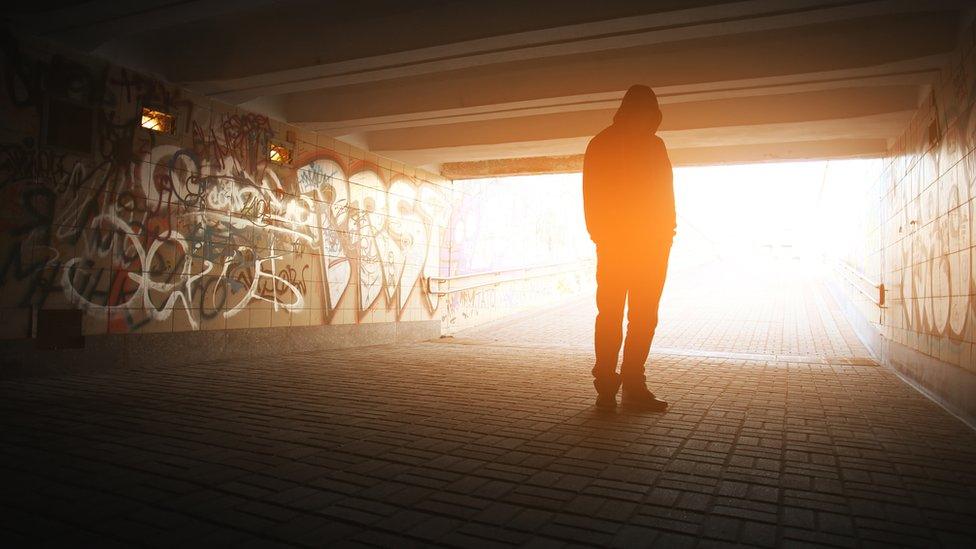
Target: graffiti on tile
<point x="198" y="227"/>
<point x="932" y="183"/>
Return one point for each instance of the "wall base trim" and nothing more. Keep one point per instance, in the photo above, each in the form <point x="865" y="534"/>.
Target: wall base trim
<point x="20" y="358"/>
<point x="951" y="387"/>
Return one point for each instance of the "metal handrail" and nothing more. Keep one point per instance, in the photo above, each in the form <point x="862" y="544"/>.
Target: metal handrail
<point x="878" y="299"/>
<point x="858" y="273"/>
<point x="504" y="271"/>
<point x="516" y="274"/>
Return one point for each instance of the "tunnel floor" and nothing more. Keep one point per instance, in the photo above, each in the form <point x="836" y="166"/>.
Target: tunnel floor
<point x="493" y="440"/>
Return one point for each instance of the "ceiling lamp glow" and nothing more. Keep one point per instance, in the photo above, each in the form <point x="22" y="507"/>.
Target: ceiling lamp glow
<point x="279" y="154"/>
<point x="157" y="121"/>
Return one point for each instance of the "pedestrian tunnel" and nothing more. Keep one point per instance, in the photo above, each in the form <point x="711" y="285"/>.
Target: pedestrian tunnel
<point x="316" y="273"/>
<point x="166" y="205"/>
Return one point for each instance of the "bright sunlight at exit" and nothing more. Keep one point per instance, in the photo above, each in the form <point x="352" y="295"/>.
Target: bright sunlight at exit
<point x="758" y="252"/>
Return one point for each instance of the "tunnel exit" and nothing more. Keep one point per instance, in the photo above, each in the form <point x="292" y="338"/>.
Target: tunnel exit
<point x="758" y="250"/>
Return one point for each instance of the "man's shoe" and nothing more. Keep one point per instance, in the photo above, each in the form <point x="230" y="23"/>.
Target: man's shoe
<point x="606" y="390"/>
<point x="636" y="397"/>
<point x="606" y="401"/>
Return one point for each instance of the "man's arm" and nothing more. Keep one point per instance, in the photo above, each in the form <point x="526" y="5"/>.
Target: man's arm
<point x="666" y="174"/>
<point x="591" y="192"/>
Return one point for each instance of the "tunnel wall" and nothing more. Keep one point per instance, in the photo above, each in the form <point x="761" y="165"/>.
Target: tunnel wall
<point x="921" y="246"/>
<point x="193" y="244"/>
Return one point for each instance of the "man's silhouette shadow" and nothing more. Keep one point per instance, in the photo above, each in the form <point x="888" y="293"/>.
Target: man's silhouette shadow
<point x="628" y="200"/>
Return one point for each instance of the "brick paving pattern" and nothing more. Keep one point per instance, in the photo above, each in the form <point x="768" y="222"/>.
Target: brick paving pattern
<point x="467" y="443"/>
<point x="463" y="445"/>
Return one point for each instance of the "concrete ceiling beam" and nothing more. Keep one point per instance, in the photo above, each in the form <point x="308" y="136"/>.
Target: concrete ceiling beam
<point x="878" y="128"/>
<point x="914" y="72"/>
<point x="784" y="53"/>
<point x="740" y="112"/>
<point x="697" y="156"/>
<point x="659" y="28"/>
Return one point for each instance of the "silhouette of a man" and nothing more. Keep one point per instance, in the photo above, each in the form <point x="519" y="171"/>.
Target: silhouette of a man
<point x="628" y="199"/>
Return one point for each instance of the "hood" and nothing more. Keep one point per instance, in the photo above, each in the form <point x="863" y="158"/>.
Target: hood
<point x="639" y="109"/>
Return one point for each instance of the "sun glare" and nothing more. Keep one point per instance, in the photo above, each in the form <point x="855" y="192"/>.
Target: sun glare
<point x="748" y="213"/>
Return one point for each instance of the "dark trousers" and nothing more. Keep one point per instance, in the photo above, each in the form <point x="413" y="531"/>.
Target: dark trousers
<point x="634" y="277"/>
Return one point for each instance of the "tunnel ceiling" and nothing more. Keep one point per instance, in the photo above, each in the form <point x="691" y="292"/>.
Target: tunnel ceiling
<point x="506" y="86"/>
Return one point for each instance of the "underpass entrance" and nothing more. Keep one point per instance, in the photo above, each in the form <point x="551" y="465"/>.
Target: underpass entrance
<point x="758" y="250"/>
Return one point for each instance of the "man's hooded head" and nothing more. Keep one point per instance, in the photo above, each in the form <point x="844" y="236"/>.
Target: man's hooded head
<point x="639" y="109"/>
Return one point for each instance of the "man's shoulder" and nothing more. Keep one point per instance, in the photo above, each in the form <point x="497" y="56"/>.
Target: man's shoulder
<point x="601" y="139"/>
<point x="612" y="138"/>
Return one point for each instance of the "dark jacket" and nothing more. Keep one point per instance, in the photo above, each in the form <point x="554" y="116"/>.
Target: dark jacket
<point x="628" y="196"/>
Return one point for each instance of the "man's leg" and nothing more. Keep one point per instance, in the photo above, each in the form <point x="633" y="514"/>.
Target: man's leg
<point x="611" y="293"/>
<point x="644" y="296"/>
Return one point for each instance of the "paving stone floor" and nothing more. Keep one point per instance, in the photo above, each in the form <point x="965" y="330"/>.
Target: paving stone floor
<point x="463" y="442"/>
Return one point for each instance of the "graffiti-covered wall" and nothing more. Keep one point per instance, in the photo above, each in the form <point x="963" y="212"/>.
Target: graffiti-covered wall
<point x="920" y="242"/>
<point x="200" y="226"/>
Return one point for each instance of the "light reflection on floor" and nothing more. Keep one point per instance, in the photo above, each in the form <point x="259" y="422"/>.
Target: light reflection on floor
<point x="763" y="306"/>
